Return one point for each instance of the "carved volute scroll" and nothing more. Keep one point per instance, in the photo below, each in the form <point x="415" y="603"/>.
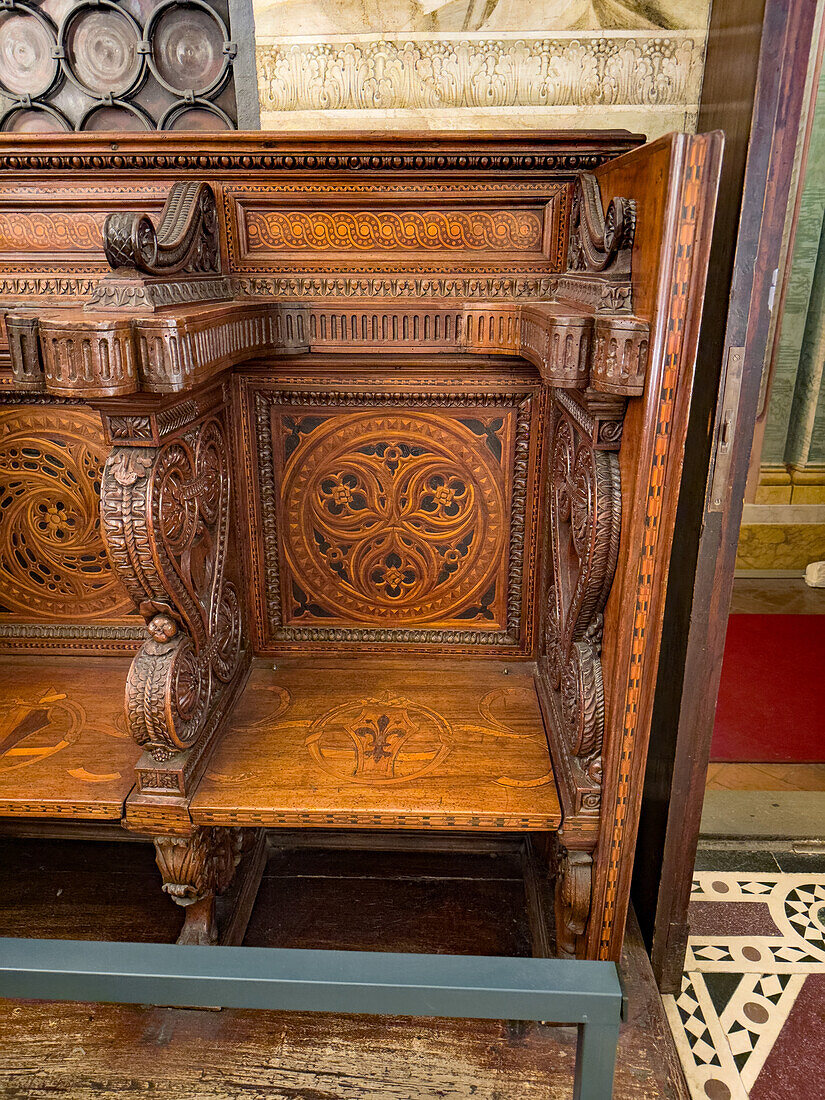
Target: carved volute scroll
<point x="186" y="237"/>
<point x="600" y="242"/>
<point x="574" y="872"/>
<point x="166" y="517"/>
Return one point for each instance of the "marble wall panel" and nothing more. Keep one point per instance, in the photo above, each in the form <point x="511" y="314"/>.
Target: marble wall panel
<point x="795" y="427"/>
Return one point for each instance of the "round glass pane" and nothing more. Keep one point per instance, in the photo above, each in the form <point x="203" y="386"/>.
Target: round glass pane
<point x="114" y="118"/>
<point x="101" y="45"/>
<point x="26" y="63"/>
<point x="187" y="49"/>
<point x="33" y="120"/>
<point x="197" y="118"/>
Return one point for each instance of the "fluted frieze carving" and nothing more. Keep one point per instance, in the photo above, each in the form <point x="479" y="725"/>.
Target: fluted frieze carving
<point x="98" y="356"/>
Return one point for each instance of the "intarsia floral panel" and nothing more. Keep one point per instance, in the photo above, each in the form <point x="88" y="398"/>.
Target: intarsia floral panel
<point x="394" y="522"/>
<point x="466" y="64"/>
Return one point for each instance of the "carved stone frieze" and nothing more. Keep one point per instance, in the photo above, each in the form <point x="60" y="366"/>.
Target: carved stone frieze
<point x="166" y="517"/>
<point x="488" y="71"/>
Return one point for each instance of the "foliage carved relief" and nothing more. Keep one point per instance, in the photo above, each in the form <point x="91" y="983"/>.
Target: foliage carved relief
<point x="53" y="563"/>
<point x="585" y="510"/>
<point x="395" y="517"/>
<point x="166" y="516"/>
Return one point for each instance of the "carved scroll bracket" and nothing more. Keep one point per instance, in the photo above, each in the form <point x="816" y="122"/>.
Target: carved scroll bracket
<point x="175" y="263"/>
<point x="195" y="869"/>
<point x="600" y="241"/>
<point x="585" y="522"/>
<point x="574" y="873"/>
<point x="166" y="511"/>
<point x="186" y="237"/>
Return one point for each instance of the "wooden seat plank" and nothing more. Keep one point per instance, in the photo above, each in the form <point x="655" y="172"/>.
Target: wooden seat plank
<point x="402" y="744"/>
<point x="64" y="749"/>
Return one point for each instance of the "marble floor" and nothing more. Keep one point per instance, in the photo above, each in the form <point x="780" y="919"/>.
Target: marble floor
<point x="749" y="1022"/>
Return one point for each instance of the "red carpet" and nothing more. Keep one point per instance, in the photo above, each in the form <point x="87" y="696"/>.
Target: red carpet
<point x="772" y="696"/>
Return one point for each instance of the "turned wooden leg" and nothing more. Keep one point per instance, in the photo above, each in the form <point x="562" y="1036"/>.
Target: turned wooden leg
<point x="195" y="870"/>
<point x="573" y="886"/>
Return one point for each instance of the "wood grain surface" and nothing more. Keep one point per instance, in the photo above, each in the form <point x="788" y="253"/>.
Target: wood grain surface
<point x="396" y="901"/>
<point x="64" y="749"/>
<point x="447" y="745"/>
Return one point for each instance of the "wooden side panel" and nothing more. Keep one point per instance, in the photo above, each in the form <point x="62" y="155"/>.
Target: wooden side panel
<point x="674" y="183"/>
<point x="57" y="588"/>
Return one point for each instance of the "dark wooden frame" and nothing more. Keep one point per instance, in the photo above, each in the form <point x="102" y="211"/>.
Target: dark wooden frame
<point x="753" y="89"/>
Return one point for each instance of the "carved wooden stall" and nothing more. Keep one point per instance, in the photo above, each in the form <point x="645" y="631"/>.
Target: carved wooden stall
<point x="401" y="417"/>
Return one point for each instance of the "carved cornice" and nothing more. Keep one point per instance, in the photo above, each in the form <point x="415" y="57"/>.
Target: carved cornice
<point x="106" y="356"/>
<point x="566" y="161"/>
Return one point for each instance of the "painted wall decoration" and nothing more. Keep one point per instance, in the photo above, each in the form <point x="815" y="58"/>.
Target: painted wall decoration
<point x="459" y="64"/>
<point x="124" y="65"/>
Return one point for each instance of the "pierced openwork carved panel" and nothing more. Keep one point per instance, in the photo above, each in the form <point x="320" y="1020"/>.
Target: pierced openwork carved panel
<point x="387" y="521"/>
<point x="394" y="517"/>
<point x="53" y="564"/>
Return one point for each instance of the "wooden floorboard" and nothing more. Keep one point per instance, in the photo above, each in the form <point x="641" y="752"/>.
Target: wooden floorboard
<point x="113" y="1052"/>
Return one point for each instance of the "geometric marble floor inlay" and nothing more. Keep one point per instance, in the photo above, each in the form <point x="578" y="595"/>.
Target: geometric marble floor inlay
<point x="749" y="1021"/>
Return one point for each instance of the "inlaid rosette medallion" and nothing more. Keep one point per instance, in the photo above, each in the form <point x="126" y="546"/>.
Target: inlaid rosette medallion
<point x="393" y="517"/>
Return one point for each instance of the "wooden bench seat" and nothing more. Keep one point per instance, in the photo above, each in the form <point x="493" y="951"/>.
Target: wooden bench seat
<point x="64" y="749"/>
<point x="400" y="744"/>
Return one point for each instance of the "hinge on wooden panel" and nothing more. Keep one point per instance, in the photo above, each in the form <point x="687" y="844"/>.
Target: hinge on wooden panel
<point x="725" y="430"/>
